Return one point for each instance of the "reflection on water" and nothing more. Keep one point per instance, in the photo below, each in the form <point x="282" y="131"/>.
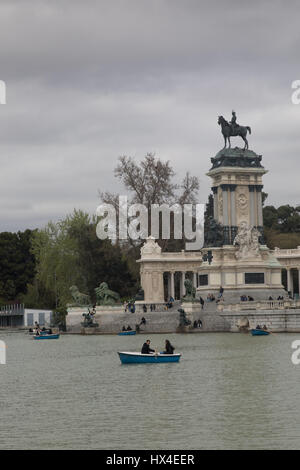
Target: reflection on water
<point x="228" y="391"/>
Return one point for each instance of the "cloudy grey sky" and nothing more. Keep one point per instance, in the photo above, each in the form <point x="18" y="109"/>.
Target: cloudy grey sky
<point x="90" y="80"/>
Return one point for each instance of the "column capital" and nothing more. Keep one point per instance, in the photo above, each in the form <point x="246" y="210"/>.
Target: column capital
<point x="226" y="186"/>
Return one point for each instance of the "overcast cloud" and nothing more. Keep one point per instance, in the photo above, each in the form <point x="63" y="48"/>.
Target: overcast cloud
<point x="88" y="81"/>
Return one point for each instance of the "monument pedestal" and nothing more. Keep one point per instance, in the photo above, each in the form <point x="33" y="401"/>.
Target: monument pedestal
<point x="75" y="319"/>
<point x="239" y="262"/>
<point x="256" y="276"/>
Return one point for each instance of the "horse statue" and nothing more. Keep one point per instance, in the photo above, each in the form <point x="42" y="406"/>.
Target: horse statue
<point x="232" y="129"/>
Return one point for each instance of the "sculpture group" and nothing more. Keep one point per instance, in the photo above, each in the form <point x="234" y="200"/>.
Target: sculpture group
<point x="104" y="296"/>
<point x="247" y="240"/>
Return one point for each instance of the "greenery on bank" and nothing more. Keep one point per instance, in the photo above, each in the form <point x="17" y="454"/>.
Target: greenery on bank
<point x="69" y="253"/>
<point x="282" y="226"/>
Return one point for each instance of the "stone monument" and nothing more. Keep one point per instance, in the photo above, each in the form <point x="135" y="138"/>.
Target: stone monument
<point x="241" y="263"/>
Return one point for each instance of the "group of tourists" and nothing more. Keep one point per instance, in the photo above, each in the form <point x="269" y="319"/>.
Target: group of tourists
<point x="127" y="329"/>
<point x="40" y="331"/>
<point x="169" y="349"/>
<point x="129" y="307"/>
<point x="246" y="298"/>
<point x="197" y="324"/>
<point x="210" y="298"/>
<point x="170" y="302"/>
<point x="137" y="326"/>
<point x="258" y="327"/>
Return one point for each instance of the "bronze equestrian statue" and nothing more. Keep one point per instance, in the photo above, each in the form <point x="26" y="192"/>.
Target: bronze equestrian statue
<point x="232" y="128"/>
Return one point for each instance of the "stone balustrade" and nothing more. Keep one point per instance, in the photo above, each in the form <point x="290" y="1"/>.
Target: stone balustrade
<point x="262" y="305"/>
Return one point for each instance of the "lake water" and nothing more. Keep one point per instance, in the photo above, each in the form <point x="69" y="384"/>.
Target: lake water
<point x="230" y="391"/>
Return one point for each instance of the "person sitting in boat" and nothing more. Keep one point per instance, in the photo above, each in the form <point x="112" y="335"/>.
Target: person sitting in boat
<point x="123" y="329"/>
<point x="129" y="328"/>
<point x="169" y="348"/>
<point x="265" y="327"/>
<point x="258" y="327"/>
<point x="146" y="348"/>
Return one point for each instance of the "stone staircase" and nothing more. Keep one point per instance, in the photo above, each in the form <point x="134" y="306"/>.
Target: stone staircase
<point x="163" y="321"/>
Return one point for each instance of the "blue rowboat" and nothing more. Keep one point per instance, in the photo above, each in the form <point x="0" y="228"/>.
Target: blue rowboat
<point x="256" y="332"/>
<point x="139" y="358"/>
<point x="53" y="336"/>
<point x="127" y="333"/>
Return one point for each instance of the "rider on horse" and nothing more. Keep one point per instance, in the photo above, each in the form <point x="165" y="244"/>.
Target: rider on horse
<point x="233" y="123"/>
<point x="232" y="128"/>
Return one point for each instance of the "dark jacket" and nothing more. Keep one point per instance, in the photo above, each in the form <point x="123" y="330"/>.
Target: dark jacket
<point x="146" y="349"/>
<point x="169" y="349"/>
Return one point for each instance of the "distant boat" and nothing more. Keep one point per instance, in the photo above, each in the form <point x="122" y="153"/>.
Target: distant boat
<point x="139" y="358"/>
<point x="127" y="333"/>
<point x="46" y="336"/>
<point x="258" y="332"/>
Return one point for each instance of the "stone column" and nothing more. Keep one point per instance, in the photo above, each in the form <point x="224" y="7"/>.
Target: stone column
<point x="160" y="294"/>
<point x="146" y="282"/>
<point x="195" y="280"/>
<point x="289" y="283"/>
<point x="172" y="284"/>
<point x="182" y="288"/>
<point x="215" y="192"/>
<point x="252" y="205"/>
<point x="232" y="188"/>
<point x="259" y="205"/>
<point x="225" y="204"/>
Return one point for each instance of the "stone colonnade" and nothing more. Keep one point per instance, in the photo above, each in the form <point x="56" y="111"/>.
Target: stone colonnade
<point x="160" y="284"/>
<point x="290" y="261"/>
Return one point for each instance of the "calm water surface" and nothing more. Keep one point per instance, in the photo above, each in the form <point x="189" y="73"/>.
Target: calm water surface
<point x="230" y="391"/>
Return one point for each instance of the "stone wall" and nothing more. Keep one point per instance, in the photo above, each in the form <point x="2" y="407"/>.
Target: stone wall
<point x="214" y="318"/>
<point x="112" y="319"/>
<point x="276" y="320"/>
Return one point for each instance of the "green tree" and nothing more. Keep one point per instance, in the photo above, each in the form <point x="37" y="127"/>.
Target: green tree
<point x="68" y="252"/>
<point x="17" y="263"/>
<point x="152" y="181"/>
<point x="282" y="226"/>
